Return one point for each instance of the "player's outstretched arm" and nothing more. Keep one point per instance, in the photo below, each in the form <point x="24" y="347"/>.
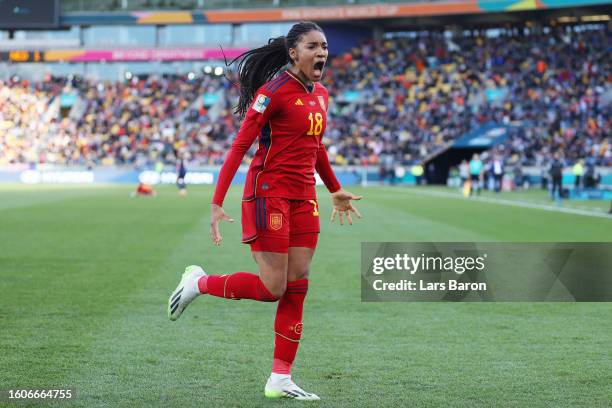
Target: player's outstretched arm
<point x="341" y="201"/>
<point x="216" y="215"/>
<point x="256" y="117"/>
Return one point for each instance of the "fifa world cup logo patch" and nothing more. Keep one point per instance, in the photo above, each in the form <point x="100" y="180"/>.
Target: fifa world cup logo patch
<point x="276" y="221"/>
<point x="261" y="103"/>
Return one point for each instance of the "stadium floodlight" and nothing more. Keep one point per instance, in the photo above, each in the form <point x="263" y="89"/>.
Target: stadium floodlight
<point x="219" y="71"/>
<point x="207" y="69"/>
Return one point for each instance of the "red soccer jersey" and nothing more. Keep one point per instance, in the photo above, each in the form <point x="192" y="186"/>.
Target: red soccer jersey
<point x="289" y="120"/>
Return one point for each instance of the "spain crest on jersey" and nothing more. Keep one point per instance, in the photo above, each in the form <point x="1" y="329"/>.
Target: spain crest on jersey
<point x="276" y="221"/>
<point x="321" y="102"/>
<point x="261" y="103"/>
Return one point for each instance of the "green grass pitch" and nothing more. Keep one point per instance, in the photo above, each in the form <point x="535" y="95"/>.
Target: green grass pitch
<point x="86" y="272"/>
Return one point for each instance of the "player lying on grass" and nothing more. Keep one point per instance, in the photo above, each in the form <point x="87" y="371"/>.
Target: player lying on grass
<point x="144" y="190"/>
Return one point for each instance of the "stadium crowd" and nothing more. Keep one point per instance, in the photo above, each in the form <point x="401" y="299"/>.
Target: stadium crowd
<point x="133" y="122"/>
<point x="403" y="98"/>
<point x="422" y="93"/>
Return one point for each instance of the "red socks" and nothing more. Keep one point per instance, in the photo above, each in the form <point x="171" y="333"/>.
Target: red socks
<point x="288" y="326"/>
<point x="288" y="322"/>
<point x="239" y="285"/>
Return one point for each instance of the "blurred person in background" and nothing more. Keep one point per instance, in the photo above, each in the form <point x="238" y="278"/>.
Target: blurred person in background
<point x="181" y="173"/>
<point x="578" y="170"/>
<point x="464" y="173"/>
<point x="387" y="167"/>
<point x="556" y="176"/>
<point x="417" y="171"/>
<point x="519" y="177"/>
<point x="144" y="190"/>
<point x="591" y="178"/>
<point x="497" y="169"/>
<point x="476" y="173"/>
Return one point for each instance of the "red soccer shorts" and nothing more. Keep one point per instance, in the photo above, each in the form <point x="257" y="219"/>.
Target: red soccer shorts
<point x="273" y="224"/>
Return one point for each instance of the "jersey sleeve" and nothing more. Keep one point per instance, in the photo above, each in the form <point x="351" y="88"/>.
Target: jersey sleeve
<point x="258" y="114"/>
<point x="325" y="170"/>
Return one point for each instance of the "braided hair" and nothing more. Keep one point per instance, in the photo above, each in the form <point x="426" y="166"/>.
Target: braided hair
<point x="259" y="65"/>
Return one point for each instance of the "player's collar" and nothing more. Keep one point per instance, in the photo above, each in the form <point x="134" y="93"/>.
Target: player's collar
<point x="307" y="88"/>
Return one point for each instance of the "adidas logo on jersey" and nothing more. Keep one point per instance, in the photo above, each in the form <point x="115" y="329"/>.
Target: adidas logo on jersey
<point x="299" y="102"/>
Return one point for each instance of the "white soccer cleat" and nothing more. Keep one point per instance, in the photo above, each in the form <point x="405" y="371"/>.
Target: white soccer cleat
<point x="185" y="292"/>
<point x="285" y="388"/>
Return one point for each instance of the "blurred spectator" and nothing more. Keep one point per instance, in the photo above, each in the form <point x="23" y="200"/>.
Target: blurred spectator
<point x="578" y="171"/>
<point x="556" y="175"/>
<point x="464" y="172"/>
<point x="476" y="174"/>
<point x="497" y="168"/>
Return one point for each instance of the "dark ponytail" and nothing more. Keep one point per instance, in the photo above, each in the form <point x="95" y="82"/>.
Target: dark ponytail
<point x="259" y="65"/>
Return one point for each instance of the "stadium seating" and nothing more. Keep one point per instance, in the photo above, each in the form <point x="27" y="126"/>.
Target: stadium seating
<point x="409" y="96"/>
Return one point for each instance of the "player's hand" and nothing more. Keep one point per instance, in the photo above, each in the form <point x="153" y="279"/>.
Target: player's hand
<point x="341" y="201"/>
<point x="216" y="215"/>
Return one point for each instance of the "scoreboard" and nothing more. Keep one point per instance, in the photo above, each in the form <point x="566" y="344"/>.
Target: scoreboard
<point x="21" y="56"/>
<point x="32" y="14"/>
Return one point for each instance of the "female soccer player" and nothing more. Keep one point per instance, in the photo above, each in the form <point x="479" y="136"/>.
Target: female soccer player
<point x="181" y="171"/>
<point x="280" y="215"/>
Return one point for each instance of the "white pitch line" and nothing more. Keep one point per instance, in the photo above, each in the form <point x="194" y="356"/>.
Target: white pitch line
<point x="501" y="201"/>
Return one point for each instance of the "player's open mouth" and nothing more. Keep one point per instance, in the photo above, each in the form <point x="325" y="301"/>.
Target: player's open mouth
<point x="318" y="68"/>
